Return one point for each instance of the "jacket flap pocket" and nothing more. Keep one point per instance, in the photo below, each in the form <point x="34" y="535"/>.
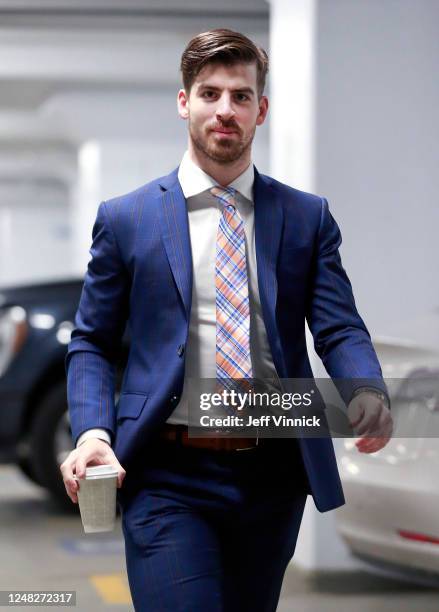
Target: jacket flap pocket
<point x="131" y="405"/>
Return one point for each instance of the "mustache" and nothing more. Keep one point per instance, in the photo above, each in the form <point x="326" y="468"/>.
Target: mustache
<point x="226" y="125"/>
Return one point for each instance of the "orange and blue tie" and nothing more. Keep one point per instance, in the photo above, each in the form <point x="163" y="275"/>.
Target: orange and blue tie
<point x="233" y="360"/>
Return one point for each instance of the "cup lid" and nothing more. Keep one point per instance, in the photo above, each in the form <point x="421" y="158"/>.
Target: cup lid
<point x="100" y="471"/>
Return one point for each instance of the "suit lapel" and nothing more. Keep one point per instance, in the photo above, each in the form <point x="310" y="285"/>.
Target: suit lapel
<point x="268" y="231"/>
<point x="176" y="237"/>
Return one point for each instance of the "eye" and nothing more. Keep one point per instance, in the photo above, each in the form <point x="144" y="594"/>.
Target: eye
<point x="242" y="97"/>
<point x="208" y="93"/>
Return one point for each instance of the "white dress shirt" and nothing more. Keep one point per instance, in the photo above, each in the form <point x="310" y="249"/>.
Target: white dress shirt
<point x="204" y="213"/>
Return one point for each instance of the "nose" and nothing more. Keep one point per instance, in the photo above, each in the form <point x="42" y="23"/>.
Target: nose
<point x="225" y="109"/>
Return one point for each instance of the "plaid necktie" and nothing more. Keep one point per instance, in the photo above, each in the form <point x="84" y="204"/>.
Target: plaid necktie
<point x="232" y="302"/>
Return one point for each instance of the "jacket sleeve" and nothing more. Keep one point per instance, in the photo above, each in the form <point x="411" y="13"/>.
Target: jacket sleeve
<point x="100" y="321"/>
<point x="341" y="338"/>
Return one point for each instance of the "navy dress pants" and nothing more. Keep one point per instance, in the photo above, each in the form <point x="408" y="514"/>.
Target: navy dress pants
<point x="212" y="531"/>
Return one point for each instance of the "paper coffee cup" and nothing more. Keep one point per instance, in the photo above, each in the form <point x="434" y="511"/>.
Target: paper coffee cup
<point x="97" y="498"/>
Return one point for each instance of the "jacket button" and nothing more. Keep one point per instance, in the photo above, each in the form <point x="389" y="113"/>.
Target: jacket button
<point x="180" y="350"/>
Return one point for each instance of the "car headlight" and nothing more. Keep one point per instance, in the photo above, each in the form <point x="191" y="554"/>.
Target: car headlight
<point x="13" y="332"/>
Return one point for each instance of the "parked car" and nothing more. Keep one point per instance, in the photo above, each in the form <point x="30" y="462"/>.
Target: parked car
<point x="36" y="322"/>
<point x="391" y="515"/>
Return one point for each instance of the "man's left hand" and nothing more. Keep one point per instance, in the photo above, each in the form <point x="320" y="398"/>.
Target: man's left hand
<point x="370" y="419"/>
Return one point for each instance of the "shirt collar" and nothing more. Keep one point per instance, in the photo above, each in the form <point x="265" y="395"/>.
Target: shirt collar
<point x="193" y="180"/>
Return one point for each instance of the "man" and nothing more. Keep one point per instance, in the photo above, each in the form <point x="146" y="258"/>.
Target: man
<point x="215" y="267"/>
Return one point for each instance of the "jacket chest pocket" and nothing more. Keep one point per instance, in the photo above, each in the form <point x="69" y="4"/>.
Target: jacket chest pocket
<point x="131" y="405"/>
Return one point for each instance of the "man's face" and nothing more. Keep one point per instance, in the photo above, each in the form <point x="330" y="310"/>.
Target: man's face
<point x="223" y="110"/>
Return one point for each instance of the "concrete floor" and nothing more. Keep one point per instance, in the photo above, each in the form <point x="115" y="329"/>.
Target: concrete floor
<point x="43" y="548"/>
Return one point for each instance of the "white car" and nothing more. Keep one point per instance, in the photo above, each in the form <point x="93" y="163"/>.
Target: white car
<point x="391" y="515"/>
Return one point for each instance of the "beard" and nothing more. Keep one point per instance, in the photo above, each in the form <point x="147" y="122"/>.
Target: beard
<point x="224" y="150"/>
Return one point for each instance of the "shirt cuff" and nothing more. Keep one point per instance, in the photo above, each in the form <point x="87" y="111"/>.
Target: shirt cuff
<point x="101" y="434"/>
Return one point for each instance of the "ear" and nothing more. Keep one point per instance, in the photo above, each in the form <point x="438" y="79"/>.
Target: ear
<point x="263" y="110"/>
<point x="183" y="104"/>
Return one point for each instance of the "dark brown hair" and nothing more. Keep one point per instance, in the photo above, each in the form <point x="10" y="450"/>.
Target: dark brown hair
<point x="222" y="46"/>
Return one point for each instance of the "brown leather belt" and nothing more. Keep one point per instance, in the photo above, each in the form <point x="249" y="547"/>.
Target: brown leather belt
<point x="179" y="433"/>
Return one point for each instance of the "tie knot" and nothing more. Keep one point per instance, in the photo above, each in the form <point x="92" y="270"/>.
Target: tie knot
<point x="226" y="195"/>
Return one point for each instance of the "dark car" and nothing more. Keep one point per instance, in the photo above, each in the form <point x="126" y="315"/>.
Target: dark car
<point x="36" y="322"/>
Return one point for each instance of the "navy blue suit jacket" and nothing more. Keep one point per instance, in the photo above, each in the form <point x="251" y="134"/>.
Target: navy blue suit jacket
<point x="141" y="273"/>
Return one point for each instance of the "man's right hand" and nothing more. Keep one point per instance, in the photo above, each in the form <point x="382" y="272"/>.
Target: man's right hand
<point x="91" y="452"/>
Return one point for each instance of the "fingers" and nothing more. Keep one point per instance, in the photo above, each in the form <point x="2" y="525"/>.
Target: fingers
<point x="91" y="452"/>
<point x="371" y="445"/>
<point x="383" y="428"/>
<point x="111" y="459"/>
<point x="364" y="413"/>
<point x="120" y="477"/>
<point x="376" y="439"/>
<point x="371" y="420"/>
<point x="81" y="464"/>
<point x="120" y="474"/>
<point x="68" y="473"/>
<point x="368" y="415"/>
<point x="355" y="413"/>
<point x="371" y="417"/>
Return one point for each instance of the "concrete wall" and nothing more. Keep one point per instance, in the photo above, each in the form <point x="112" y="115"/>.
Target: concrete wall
<point x="377" y="131"/>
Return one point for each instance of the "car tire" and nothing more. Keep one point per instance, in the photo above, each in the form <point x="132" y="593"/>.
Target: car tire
<point x="50" y="421"/>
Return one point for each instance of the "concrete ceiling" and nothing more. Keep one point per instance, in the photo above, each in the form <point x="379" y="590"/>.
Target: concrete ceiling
<point x="51" y="51"/>
<point x="133" y="5"/>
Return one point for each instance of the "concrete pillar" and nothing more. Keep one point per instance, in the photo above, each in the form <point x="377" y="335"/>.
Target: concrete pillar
<point x="86" y="197"/>
<point x="292" y="91"/>
<point x="293" y="77"/>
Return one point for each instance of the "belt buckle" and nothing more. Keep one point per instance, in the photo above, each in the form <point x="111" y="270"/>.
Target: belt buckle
<point x="249" y="447"/>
